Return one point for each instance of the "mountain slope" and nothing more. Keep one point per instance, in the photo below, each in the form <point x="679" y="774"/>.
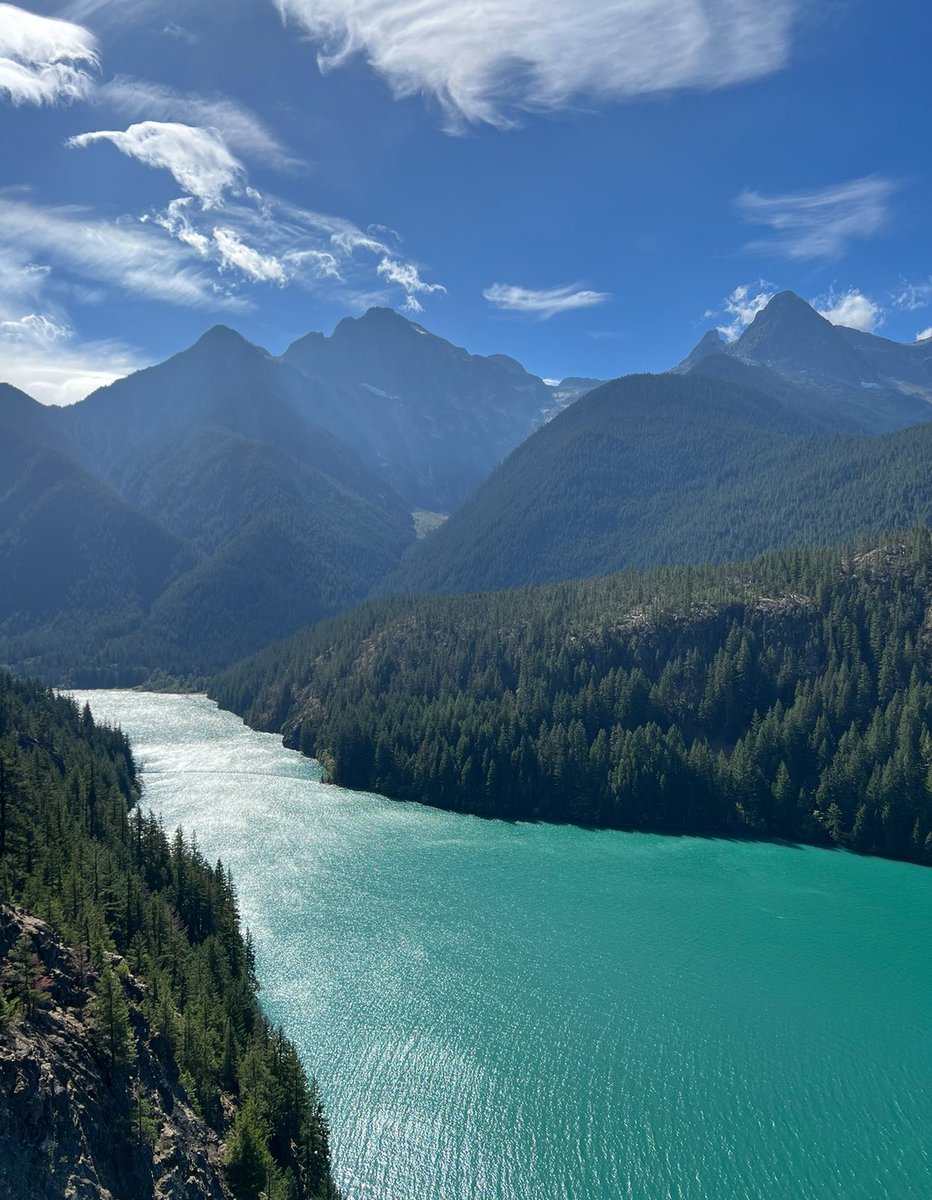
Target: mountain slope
<point x="272" y="521"/>
<point x="785" y="697"/>
<point x="77" y="563"/>
<point x="432" y="418"/>
<point x="665" y="469"/>
<point x="284" y="544"/>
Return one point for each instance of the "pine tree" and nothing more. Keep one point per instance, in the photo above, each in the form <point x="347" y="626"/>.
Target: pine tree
<point x="109" y="1014"/>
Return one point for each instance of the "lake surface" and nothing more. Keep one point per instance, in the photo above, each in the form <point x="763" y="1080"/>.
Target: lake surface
<point x="530" y="1012"/>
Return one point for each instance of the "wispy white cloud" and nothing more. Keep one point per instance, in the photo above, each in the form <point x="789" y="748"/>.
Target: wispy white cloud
<point x="743" y="305"/>
<point x="35" y="328"/>
<point x="180" y="34"/>
<point x="185" y="255"/>
<point x="925" y="335"/>
<point x="485" y="60"/>
<point x="127" y="255"/>
<point x="911" y="296"/>
<point x="240" y="129"/>
<point x="42" y="60"/>
<point x="543" y="304"/>
<point x="820" y="224"/>
<point x="268" y="240"/>
<point x="198" y="159"/>
<point x="60" y="370"/>
<point x="39" y="351"/>
<point x="851" y="308"/>
<point x="120" y="13"/>
<point x="233" y="252"/>
<point x="408" y="277"/>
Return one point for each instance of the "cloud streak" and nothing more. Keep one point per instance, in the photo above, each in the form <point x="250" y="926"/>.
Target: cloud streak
<point x="912" y="296"/>
<point x="198" y="159"/>
<point x="542" y="304"/>
<point x="131" y="257"/>
<point x="44" y="61"/>
<point x="240" y="129"/>
<point x="820" y="224"/>
<point x="487" y="60"/>
<point x="408" y="277"/>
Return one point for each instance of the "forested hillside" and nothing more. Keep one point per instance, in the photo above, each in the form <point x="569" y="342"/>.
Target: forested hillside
<point x="653" y="469"/>
<point x="159" y="975"/>
<point x="198" y="515"/>
<point x="78" y="565"/>
<point x="790" y="696"/>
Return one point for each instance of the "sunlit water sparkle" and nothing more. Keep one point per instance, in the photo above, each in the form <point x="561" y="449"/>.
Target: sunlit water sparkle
<point x="530" y="1012"/>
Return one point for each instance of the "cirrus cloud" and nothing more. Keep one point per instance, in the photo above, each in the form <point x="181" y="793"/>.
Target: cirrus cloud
<point x="819" y="224"/>
<point x="197" y="158"/>
<point x="127" y="255"/>
<point x="485" y="60"/>
<point x="545" y="303"/>
<point x="43" y="60"/>
<point x="241" y="129"/>
<point x="408" y="277"/>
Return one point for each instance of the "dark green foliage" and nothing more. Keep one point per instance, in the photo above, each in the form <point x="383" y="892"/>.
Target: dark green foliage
<point x="790" y="697"/>
<point x="109" y="1013"/>
<point x="131" y="900"/>
<point x="23" y="983"/>
<point x="77" y="564"/>
<point x="654" y="469"/>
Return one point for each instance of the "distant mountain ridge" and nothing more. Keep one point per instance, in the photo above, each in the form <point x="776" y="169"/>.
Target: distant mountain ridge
<point x="430" y="416"/>
<point x="199" y="509"/>
<point x="724" y="461"/>
<point x="854" y="380"/>
<point x="182" y="517"/>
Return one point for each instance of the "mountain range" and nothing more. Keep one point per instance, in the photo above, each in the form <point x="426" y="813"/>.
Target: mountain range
<point x="795" y="434"/>
<point x="200" y="509"/>
<point x="194" y="511"/>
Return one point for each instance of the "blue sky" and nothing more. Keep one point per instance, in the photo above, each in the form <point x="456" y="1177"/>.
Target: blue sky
<point x="587" y="185"/>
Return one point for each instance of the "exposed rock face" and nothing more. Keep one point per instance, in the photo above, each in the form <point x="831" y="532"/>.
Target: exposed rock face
<point x="69" y="1128"/>
<point x="432" y="417"/>
<point x="843" y="378"/>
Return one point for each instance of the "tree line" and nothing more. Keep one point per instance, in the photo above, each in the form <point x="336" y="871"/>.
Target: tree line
<point x="787" y="697"/>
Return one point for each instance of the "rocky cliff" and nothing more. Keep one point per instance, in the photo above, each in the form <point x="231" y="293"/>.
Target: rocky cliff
<point x="70" y="1126"/>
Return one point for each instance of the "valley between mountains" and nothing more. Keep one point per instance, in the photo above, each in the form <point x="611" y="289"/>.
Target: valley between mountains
<point x="203" y="510"/>
<point x="698" y="602"/>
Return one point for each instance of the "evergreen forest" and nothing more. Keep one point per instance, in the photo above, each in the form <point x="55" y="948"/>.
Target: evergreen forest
<point x="786" y="697"/>
<point x="77" y="851"/>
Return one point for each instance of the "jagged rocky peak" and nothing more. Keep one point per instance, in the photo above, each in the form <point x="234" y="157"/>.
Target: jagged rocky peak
<point x="789" y="336"/>
<point x="222" y="340"/>
<point x="787" y="315"/>
<point x="710" y="343"/>
<point x="377" y="317"/>
<point x="785" y="327"/>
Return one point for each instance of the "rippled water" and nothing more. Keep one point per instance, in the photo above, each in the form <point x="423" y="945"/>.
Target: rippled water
<point x="520" y="1012"/>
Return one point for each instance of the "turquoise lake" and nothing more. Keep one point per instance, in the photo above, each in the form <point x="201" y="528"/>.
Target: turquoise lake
<point x="531" y="1012"/>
